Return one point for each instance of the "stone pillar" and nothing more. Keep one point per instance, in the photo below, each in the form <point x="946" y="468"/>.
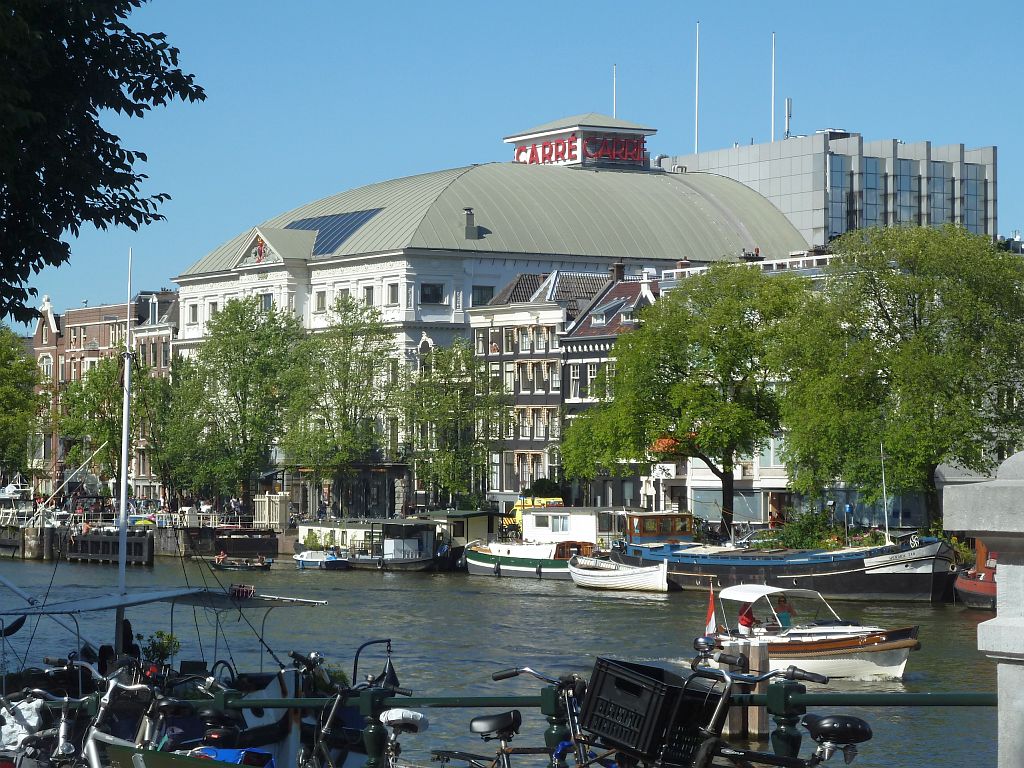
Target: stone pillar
<point x="993" y="511"/>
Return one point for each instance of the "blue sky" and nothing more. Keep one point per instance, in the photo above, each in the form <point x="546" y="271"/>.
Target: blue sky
<point x="312" y="97"/>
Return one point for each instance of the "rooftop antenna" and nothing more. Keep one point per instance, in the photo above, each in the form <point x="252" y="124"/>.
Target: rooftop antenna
<point x="613" y="91"/>
<point x="885" y="496"/>
<point x="126" y="394"/>
<point x="773" y="86"/>
<point x="789" y="115"/>
<point x="696" y="95"/>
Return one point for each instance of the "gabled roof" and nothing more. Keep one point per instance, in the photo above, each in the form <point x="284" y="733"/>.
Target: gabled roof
<point x="625" y="295"/>
<point x="572" y="290"/>
<point x="540" y="211"/>
<point x="520" y="289"/>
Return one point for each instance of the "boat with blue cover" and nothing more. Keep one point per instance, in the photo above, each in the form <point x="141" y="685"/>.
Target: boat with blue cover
<point x="910" y="567"/>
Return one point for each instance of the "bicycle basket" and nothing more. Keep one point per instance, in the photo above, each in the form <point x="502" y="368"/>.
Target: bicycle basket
<point x="648" y="711"/>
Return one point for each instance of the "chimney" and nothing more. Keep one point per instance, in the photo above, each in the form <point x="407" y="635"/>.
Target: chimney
<point x="472" y="230"/>
<point x="683" y="264"/>
<point x="617" y="271"/>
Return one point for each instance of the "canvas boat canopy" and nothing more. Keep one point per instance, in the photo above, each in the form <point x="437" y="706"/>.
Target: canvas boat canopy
<point x="748" y="593"/>
<point x="232" y="598"/>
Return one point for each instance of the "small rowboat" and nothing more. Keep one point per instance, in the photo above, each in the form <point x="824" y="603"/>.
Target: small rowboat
<point x="596" y="573"/>
<point x="241" y="565"/>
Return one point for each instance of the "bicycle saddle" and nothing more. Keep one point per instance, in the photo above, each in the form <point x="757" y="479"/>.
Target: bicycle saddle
<point x="497" y="726"/>
<point x="405" y="720"/>
<point x="837" y="729"/>
<point x="175" y="707"/>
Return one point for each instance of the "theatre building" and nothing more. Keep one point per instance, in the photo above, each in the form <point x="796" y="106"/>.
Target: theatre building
<point x="577" y="195"/>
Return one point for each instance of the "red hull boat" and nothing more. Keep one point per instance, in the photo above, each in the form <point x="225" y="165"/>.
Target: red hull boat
<point x="976" y="587"/>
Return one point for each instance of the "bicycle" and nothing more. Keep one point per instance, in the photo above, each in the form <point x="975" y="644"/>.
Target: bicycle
<point x="563" y="736"/>
<point x="327" y="742"/>
<point x="695" y="741"/>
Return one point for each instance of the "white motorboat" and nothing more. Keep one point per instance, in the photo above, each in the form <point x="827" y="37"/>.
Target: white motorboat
<point x="332" y="559"/>
<point x="812" y="636"/>
<point x="598" y="573"/>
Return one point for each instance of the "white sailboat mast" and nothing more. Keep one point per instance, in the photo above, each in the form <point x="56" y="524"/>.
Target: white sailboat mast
<point x="125" y="452"/>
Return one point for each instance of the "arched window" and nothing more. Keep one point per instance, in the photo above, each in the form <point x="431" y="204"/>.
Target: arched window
<point x="46" y="366"/>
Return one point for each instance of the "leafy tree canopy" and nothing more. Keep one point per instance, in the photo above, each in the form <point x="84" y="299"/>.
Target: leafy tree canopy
<point x="62" y="62"/>
<point x="340" y="390"/>
<point x="242" y="367"/>
<point x="454" y="414"/>
<point x="914" y="345"/>
<point x="91" y="416"/>
<point x="19" y="376"/>
<point x="697" y="379"/>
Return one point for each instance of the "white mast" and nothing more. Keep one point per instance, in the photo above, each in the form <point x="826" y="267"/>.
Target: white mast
<point x="696" y="95"/>
<point x="773" y="86"/>
<point x="613" y="92"/>
<point x="885" y="495"/>
<point x="125" y="452"/>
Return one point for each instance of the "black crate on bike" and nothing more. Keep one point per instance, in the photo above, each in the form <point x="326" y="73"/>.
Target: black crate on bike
<point x="631" y="705"/>
<point x="648" y="711"/>
<point x="682" y="738"/>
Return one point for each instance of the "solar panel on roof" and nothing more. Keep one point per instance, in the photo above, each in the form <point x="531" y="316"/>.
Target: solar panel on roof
<point x="334" y="229"/>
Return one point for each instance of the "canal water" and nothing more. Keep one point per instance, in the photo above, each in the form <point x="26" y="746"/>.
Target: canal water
<point x="451" y="631"/>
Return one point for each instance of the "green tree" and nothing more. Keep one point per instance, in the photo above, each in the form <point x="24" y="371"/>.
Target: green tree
<point x="63" y="63"/>
<point x="180" y="432"/>
<point x="243" y="366"/>
<point x="22" y="405"/>
<point x="341" y="392"/>
<point x="915" y="345"/>
<point x="696" y="380"/>
<point x="454" y="414"/>
<point x="91" y="415"/>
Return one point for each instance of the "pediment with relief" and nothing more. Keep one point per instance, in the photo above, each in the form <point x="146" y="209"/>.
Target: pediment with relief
<point x="267" y="246"/>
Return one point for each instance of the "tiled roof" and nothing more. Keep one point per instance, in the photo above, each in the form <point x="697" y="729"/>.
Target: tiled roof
<point x="519" y="290"/>
<point x="622" y="296"/>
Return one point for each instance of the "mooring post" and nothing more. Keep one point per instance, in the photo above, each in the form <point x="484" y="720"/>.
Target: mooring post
<point x="757" y="717"/>
<point x="992" y="511"/>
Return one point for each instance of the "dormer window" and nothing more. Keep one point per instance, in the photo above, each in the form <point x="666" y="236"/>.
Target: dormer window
<point x="627" y="316"/>
<point x="599" y="319"/>
<point x="154" y="310"/>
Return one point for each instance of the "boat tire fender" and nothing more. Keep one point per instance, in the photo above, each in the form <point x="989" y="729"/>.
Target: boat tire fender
<point x="539" y="574"/>
<point x="380" y="563"/>
<point x="497" y="568"/>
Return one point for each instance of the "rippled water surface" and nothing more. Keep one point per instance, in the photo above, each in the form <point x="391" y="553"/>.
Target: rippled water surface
<point x="450" y="631"/>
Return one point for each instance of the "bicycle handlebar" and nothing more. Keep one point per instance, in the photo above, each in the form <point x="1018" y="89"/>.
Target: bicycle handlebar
<point x="39" y="693"/>
<point x="505" y="674"/>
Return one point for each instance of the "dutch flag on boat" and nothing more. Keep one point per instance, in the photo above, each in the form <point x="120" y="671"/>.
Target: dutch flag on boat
<point x="710" y="624"/>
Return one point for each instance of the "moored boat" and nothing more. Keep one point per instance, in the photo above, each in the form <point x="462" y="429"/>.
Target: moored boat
<point x="976" y="587"/>
<point x="909" y="568"/>
<point x="525" y="559"/>
<point x="599" y="573"/>
<point x="811" y="635"/>
<point x="241" y="565"/>
<point x="330" y="559"/>
<point x="411" y="544"/>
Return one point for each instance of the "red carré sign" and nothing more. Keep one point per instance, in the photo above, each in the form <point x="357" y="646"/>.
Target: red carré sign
<point x="620" y="149"/>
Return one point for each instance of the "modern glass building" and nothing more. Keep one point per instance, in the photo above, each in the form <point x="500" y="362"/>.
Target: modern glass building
<point x="834" y="181"/>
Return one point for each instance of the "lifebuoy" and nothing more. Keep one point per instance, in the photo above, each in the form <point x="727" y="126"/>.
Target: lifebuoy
<point x="380" y="563"/>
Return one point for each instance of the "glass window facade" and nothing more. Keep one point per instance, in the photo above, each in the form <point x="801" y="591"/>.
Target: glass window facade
<point x="874" y="192"/>
<point x="974" y="200"/>
<point x="908" y="194"/>
<point x="841" y="210"/>
<point x="940" y="193"/>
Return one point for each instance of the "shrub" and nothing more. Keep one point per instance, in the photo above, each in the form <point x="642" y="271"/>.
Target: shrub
<point x="159" y="648"/>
